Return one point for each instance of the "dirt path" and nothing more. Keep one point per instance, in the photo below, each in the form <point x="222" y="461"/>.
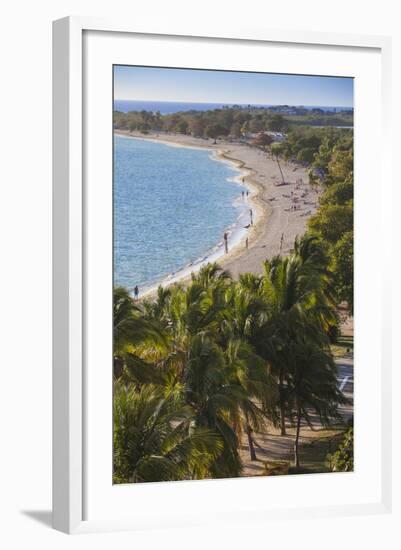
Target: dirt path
<point x="314" y="444"/>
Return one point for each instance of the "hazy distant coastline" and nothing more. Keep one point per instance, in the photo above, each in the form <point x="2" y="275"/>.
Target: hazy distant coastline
<point x="170" y="107"/>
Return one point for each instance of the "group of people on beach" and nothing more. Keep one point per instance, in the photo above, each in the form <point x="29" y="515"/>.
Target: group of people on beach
<point x="297" y="199"/>
<point x="294" y="197"/>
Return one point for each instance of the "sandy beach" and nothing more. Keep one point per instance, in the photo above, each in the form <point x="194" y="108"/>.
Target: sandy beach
<point x="277" y="223"/>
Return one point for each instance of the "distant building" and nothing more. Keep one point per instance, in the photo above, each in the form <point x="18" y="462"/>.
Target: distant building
<point x="277" y="136"/>
<point x="284" y="110"/>
<point x="288" y="111"/>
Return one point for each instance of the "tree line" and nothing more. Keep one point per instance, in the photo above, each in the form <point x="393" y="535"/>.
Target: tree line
<point x="328" y="152"/>
<point x="235" y="123"/>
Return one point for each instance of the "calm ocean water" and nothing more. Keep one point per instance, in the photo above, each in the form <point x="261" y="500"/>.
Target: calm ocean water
<point x="168" y="107"/>
<point x="171" y="207"/>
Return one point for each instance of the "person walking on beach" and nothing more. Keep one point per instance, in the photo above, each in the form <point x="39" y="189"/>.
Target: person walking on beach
<point x="251" y="215"/>
<point x="243" y="193"/>
<point x="247" y="193"/>
<point x="226" y="242"/>
<point x="246" y="243"/>
<point x="136" y="292"/>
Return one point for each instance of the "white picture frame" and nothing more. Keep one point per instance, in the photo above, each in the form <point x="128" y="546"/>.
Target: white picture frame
<point x="69" y="259"/>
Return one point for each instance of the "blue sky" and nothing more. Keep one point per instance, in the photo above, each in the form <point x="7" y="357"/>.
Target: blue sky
<point x="155" y="84"/>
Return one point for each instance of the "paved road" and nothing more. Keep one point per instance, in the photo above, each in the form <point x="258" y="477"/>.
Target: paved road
<point x="345" y="366"/>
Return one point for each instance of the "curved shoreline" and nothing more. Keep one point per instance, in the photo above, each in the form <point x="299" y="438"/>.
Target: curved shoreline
<point x="237" y="234"/>
<point x="262" y="208"/>
<point x="276" y="224"/>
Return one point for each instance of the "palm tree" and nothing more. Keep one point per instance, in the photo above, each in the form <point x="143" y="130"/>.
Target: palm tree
<point x="234" y="311"/>
<point x="196" y="360"/>
<point x="183" y="313"/>
<point x="313" y="388"/>
<point x="274" y="152"/>
<point x="203" y="321"/>
<point x="243" y="317"/>
<point x="153" y="439"/>
<point x="299" y="299"/>
<point x="209" y="324"/>
<point x="133" y="333"/>
<point x="256" y="389"/>
<point x="207" y="389"/>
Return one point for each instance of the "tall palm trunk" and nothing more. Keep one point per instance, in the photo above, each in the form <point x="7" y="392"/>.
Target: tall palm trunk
<point x="281" y="172"/>
<point x="296" y="442"/>
<point x="282" y="404"/>
<point x="118" y="366"/>
<point x="250" y="443"/>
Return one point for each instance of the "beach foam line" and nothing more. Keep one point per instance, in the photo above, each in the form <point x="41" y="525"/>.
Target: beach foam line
<point x="163" y="142"/>
<point x="237" y="234"/>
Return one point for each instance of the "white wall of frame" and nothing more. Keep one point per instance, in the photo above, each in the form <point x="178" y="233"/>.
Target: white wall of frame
<point x="25" y="404"/>
<point x="240" y="499"/>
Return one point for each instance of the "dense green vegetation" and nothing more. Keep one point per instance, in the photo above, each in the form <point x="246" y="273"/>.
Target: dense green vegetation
<point x="343" y="459"/>
<point x="196" y="367"/>
<point x="233" y="122"/>
<point x="328" y="152"/>
<point x="334" y="221"/>
<point x="321" y="119"/>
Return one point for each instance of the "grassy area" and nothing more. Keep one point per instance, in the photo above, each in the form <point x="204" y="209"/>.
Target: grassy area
<point x="344" y="346"/>
<point x="275" y="452"/>
<point x="314" y="453"/>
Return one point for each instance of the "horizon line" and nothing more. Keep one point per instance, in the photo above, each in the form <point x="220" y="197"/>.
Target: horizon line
<point x="228" y="103"/>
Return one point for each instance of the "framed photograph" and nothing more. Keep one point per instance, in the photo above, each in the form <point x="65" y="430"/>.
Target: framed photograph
<point x="219" y="265"/>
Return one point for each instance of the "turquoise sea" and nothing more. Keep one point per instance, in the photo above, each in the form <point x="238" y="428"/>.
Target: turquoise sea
<point x="171" y="207"/>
